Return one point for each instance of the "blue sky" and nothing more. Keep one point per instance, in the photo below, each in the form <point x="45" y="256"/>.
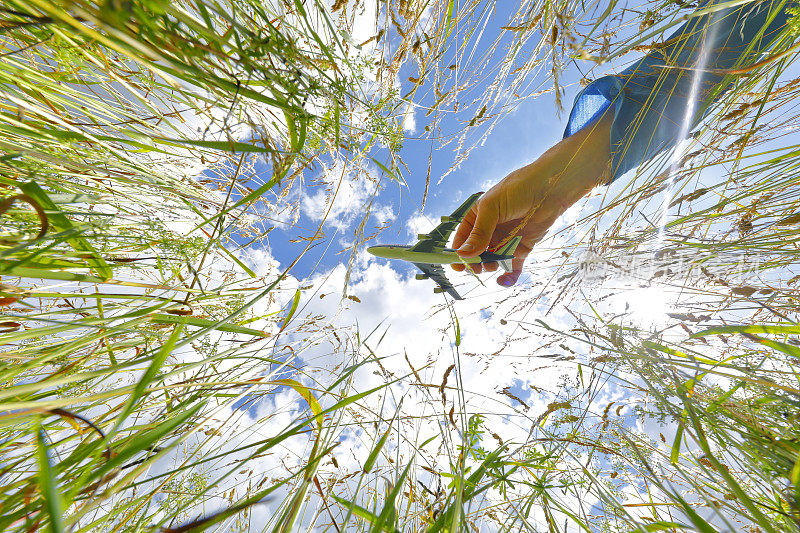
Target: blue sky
<point x="517" y="139"/>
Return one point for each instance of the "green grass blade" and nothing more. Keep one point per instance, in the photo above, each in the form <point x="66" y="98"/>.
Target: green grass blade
<point x="62" y="223"/>
<point x="48" y="485"/>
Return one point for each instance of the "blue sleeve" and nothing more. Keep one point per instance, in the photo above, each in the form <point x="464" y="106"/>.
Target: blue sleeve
<point x="652" y="104"/>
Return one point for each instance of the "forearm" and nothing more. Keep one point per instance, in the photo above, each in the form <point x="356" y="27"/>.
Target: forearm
<point x="582" y="161"/>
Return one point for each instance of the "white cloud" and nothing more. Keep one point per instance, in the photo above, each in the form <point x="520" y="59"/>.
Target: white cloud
<point x="502" y="353"/>
<point x="417" y="224"/>
<point x="410" y="119"/>
<point x="345" y="194"/>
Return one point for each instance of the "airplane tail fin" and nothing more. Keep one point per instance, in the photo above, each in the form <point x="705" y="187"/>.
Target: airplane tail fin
<point x="510" y="247"/>
<point x="508" y="250"/>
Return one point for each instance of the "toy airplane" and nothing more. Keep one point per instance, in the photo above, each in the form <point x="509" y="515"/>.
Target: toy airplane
<point x="430" y="252"/>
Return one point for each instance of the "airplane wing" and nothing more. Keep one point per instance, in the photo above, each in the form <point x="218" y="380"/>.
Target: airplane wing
<point x="436" y="273"/>
<point x="436" y="240"/>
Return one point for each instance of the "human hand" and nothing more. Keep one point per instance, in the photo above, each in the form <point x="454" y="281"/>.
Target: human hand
<point x="529" y="200"/>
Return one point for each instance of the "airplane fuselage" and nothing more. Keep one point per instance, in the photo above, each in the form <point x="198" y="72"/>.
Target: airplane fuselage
<point x="446" y="257"/>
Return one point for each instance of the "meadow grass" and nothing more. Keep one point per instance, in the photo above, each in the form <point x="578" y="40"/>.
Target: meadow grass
<point x="136" y="332"/>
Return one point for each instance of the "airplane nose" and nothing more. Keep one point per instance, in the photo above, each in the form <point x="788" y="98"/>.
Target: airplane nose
<point x="380" y="251"/>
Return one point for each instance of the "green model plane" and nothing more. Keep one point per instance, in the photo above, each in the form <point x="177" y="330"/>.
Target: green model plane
<point x="430" y="252"/>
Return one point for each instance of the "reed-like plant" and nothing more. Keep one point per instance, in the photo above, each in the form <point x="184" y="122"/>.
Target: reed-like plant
<point x="144" y="142"/>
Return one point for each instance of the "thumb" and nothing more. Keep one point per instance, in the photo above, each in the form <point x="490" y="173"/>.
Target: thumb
<point x="482" y="229"/>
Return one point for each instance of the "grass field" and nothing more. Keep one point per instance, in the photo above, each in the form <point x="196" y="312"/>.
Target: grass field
<point x="138" y="331"/>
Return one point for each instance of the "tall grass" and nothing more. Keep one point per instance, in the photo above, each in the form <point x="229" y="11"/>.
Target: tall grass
<point x="138" y="332"/>
<point x="128" y="327"/>
<point x="720" y="375"/>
